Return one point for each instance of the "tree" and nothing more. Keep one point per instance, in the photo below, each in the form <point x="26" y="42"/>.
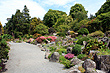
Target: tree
<point x="51" y="17"/>
<point x="104" y="8"/>
<point x="78" y="12"/>
<point x="41" y="29"/>
<point x="91" y="17"/>
<point x="34" y="22"/>
<point x="104" y="20"/>
<point x="26" y="14"/>
<point x="1" y="28"/>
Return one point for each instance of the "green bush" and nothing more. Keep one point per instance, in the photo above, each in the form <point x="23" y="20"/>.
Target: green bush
<point x="81" y="56"/>
<point x="41" y="29"/>
<point x="96" y="33"/>
<point x="62" y="51"/>
<point x="52" y="48"/>
<point x="4" y="49"/>
<point x="62" y="59"/>
<point x="83" y="31"/>
<point x="50" y="55"/>
<point x="62" y="34"/>
<point x="77" y="49"/>
<point x="80" y="40"/>
<point x="7" y="37"/>
<point x="67" y="63"/>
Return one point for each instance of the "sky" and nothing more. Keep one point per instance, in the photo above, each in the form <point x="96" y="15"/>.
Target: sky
<point x="38" y="8"/>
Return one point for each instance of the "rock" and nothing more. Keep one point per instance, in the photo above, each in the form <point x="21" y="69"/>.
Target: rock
<point x="39" y="45"/>
<point x="100" y="71"/>
<point x="76" y="61"/>
<point x="91" y="70"/>
<point x="74" y="71"/>
<point x="54" y="57"/>
<point x="42" y="49"/>
<point x="35" y="42"/>
<point x="102" y="62"/>
<point x="69" y="49"/>
<point x="88" y="63"/>
<point x="46" y="55"/>
<point x="93" y="52"/>
<point x="30" y="40"/>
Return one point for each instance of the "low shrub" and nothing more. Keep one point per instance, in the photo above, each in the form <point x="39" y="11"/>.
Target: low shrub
<point x="7" y="37"/>
<point x="83" y="31"/>
<point x="62" y="34"/>
<point x="80" y="40"/>
<point x="52" y="48"/>
<point x="76" y="50"/>
<point x="67" y="63"/>
<point x="69" y="56"/>
<point x="62" y="59"/>
<point x="62" y="50"/>
<point x="96" y="33"/>
<point x="81" y="56"/>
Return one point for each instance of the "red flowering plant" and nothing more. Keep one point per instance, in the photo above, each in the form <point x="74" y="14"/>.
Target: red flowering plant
<point x="69" y="56"/>
<point x="51" y="38"/>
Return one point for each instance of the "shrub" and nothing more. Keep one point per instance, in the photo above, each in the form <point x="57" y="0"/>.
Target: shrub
<point x="4" y="49"/>
<point x="83" y="31"/>
<point x="51" y="30"/>
<point x="62" y="34"/>
<point x="96" y="33"/>
<point x="62" y="59"/>
<point x="62" y="50"/>
<point x="7" y="37"/>
<point x="50" y="55"/>
<point x="71" y="32"/>
<point x="52" y="48"/>
<point x="36" y="35"/>
<point x="69" y="56"/>
<point x="81" y="56"/>
<point x="67" y="63"/>
<point x="40" y="39"/>
<point x="77" y="49"/>
<point x="41" y="29"/>
<point x="80" y="40"/>
<point x="51" y="38"/>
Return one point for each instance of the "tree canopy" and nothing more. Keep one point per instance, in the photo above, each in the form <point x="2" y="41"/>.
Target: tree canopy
<point x="51" y="17"/>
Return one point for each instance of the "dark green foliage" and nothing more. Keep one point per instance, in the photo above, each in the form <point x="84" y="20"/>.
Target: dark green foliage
<point x="26" y="36"/>
<point x="51" y="17"/>
<point x="81" y="56"/>
<point x="67" y="63"/>
<point x="41" y="29"/>
<point x="62" y="34"/>
<point x="76" y="50"/>
<point x="7" y="37"/>
<point x="83" y="31"/>
<point x="80" y="40"/>
<point x="78" y="12"/>
<point x="3" y="51"/>
<point x="104" y="8"/>
<point x="93" y="44"/>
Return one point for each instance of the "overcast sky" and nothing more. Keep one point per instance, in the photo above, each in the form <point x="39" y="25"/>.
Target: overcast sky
<point x="38" y="8"/>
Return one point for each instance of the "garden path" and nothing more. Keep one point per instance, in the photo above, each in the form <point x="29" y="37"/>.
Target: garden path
<point x="28" y="58"/>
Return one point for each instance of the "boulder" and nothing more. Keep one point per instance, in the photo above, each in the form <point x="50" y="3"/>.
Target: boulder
<point x="46" y="55"/>
<point x="100" y="71"/>
<point x="102" y="62"/>
<point x="69" y="49"/>
<point x="54" y="57"/>
<point x="76" y="61"/>
<point x="74" y="71"/>
<point x="91" y="70"/>
<point x="88" y="63"/>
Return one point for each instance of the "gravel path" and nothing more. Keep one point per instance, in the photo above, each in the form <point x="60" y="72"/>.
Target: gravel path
<point x="28" y="58"/>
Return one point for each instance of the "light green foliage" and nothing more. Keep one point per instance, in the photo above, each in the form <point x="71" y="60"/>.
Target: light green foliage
<point x="104" y="8"/>
<point x="104" y="20"/>
<point x="62" y="59"/>
<point x="104" y="52"/>
<point x="51" y="17"/>
<point x="81" y="56"/>
<point x="62" y="50"/>
<point x="80" y="40"/>
<point x="34" y="22"/>
<point x="93" y="44"/>
<point x="41" y="29"/>
<point x="96" y="33"/>
<point x="77" y="49"/>
<point x="63" y="28"/>
<point x="78" y="12"/>
<point x="83" y="31"/>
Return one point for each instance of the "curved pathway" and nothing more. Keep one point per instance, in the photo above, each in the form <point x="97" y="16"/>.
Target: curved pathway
<point x="28" y="58"/>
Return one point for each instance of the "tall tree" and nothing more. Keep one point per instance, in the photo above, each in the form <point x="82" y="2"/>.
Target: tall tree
<point x="1" y="28"/>
<point x="104" y="8"/>
<point x="78" y="12"/>
<point x="51" y="17"/>
<point x="26" y="14"/>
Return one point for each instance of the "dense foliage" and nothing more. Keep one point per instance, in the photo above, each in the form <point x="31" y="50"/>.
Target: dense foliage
<point x="77" y="49"/>
<point x="3" y="51"/>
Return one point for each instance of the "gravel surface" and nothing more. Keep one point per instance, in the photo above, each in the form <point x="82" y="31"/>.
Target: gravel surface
<point x="28" y="58"/>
